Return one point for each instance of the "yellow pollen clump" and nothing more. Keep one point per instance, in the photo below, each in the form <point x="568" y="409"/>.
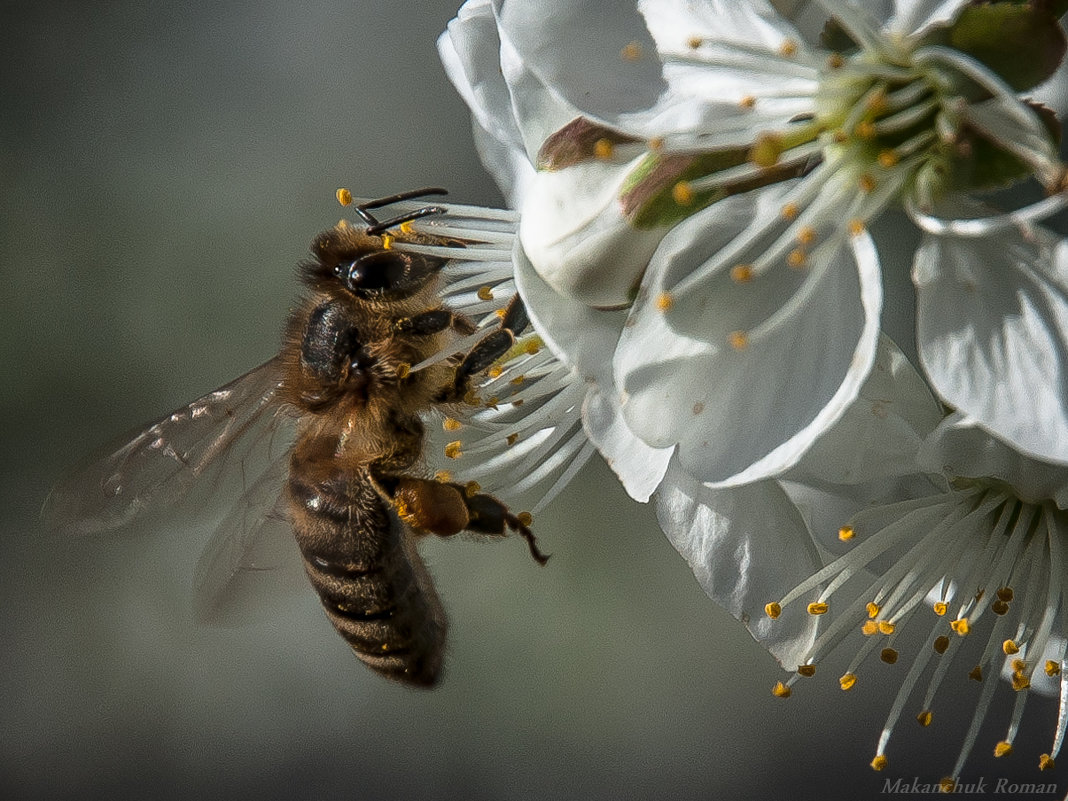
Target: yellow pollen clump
<point x="976" y="673"/>
<point x="766" y="150"/>
<point x="940" y="608"/>
<point x="887" y="159"/>
<point x="796" y="258"/>
<point x="512" y="439"/>
<point x="865" y="130"/>
<point x="845" y="534"/>
<point x="1045" y="762"/>
<point x="924" y="718"/>
<point x="344" y="196"/>
<point x="873" y="609"/>
<point x="880" y="762"/>
<point x="1003" y="748"/>
<point x="817" y="608"/>
<point x="780" y="690"/>
<point x="788" y="48"/>
<point x="501" y="312"/>
<point x="941" y="643"/>
<point x="485" y="293"/>
<point x="495" y="371"/>
<point x="961" y="626"/>
<point x="835" y="61"/>
<point x="1010" y="648"/>
<point x="664" y="302"/>
<point x="471" y="488"/>
<point x="886" y="627"/>
<point x="806" y="235"/>
<point x="888" y="655"/>
<point x="451" y="424"/>
<point x="682" y="193"/>
<point x="856" y="227"/>
<point x="387" y="241"/>
<point x="742" y="273"/>
<point x="631" y="51"/>
<point x="404" y="370"/>
<point x="1005" y="594"/>
<point x="947" y="784"/>
<point x="526" y="518"/>
<point x="999" y="607"/>
<point x="747" y="102"/>
<point x="1020" y="682"/>
<point x="866" y="183"/>
<point x="739" y="340"/>
<point x="694" y="42"/>
<point x="847" y="681"/>
<point x="869" y="628"/>
<point x="790" y="211"/>
<point x="808" y="671"/>
<point x="444" y="476"/>
<point x="1052" y="668"/>
<point x="454" y="450"/>
<point x="772" y="610"/>
<point x="603" y="149"/>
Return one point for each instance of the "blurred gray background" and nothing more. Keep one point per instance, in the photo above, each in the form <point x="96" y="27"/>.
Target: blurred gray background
<point x="163" y="167"/>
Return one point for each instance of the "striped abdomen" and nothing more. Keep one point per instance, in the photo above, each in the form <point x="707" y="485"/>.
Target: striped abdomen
<point x="374" y="587"/>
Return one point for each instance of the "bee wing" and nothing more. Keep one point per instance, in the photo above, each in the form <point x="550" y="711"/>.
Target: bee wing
<point x="156" y="467"/>
<point x="245" y="559"/>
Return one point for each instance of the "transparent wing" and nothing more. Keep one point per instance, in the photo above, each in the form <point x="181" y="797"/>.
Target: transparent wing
<point x="155" y="468"/>
<point x="240" y="567"/>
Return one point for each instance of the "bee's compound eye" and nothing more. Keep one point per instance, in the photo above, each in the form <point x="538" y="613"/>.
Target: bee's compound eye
<point x="381" y="273"/>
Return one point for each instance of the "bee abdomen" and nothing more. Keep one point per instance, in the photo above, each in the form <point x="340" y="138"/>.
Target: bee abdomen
<point x="372" y="583"/>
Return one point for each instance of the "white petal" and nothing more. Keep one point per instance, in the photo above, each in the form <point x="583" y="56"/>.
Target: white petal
<point x="741" y="414"/>
<point x="992" y="320"/>
<point x="640" y="468"/>
<point x="753" y="23"/>
<point x="746" y="546"/>
<point x="915" y="16"/>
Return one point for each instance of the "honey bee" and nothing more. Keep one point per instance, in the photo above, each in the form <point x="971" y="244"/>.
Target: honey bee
<point x="353" y="488"/>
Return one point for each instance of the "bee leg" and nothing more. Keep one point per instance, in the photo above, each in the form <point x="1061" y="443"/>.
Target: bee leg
<point x="433" y="322"/>
<point x="492" y="346"/>
<point x="442" y="508"/>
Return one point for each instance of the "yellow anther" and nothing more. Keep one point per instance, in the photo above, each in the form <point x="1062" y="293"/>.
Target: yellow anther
<point x="1005" y="594"/>
<point x="656" y="144"/>
<point x="887" y="159"/>
<point x="742" y="273"/>
<point x="491" y="402"/>
<point x="747" y="102"/>
<point x="947" y="784"/>
<point x="873" y="609"/>
<point x="817" y="608"/>
<point x="1020" y="682"/>
<point x="404" y="370"/>
<point x="772" y="610"/>
<point x="518" y="402"/>
<point x="806" y="235"/>
<point x="924" y="718"/>
<point x="961" y="626"/>
<point x="845" y="534"/>
<point x="664" y="302"/>
<point x="485" y="293"/>
<point x="869" y="628"/>
<point x="856" y="227"/>
<point x="342" y="224"/>
<point x="519" y="379"/>
<point x="780" y="690"/>
<point x="866" y="183"/>
<point x="512" y="438"/>
<point x="531" y="347"/>
<point x="766" y="150"/>
<point x="941" y="643"/>
<point x="788" y="48"/>
<point x="1003" y="748"/>
<point x="940" y="608"/>
<point x="835" y="61"/>
<point x="880" y="762"/>
<point x="976" y="673"/>
<point x="790" y="211"/>
<point x="501" y="312"/>
<point x="865" y="130"/>
<point x="444" y="476"/>
<point x="1010" y="648"/>
<point x="682" y="193"/>
<point x="739" y="340"/>
<point x="451" y="424"/>
<point x="407" y="227"/>
<point x="847" y="681"/>
<point x="472" y="488"/>
<point x="840" y="137"/>
<point x="631" y="51"/>
<point x="808" y="671"/>
<point x="999" y="607"/>
<point x="877" y="102"/>
<point x="886" y="627"/>
<point x="698" y="407"/>
<point x="1052" y="668"/>
<point x="344" y="196"/>
<point x="888" y="655"/>
<point x="495" y="371"/>
<point x="694" y="42"/>
<point x="603" y="149"/>
<point x="387" y="241"/>
<point x="1045" y="762"/>
<point x="796" y="258"/>
<point x="1018" y="665"/>
<point x="526" y="518"/>
<point x="454" y="450"/>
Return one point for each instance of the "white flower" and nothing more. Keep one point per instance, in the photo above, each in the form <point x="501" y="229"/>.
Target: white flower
<point x="755" y="320"/>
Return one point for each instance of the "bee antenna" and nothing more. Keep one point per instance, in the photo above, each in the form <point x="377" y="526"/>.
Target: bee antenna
<point x="375" y="227"/>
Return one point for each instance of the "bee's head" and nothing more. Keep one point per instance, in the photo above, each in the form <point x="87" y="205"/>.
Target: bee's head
<point x="362" y="265"/>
